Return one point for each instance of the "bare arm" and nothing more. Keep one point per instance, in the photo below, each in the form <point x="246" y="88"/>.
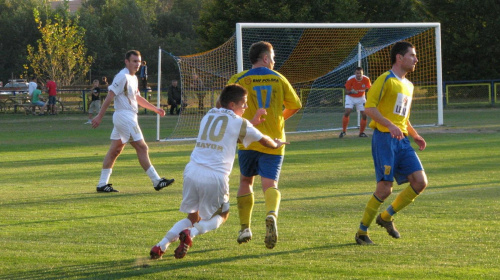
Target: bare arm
<point x="375" y="114"/>
<point x="270" y="143"/>
<point x="97" y="120"/>
<point x="350" y="91"/>
<point x="145" y="104"/>
<point x="416" y="137"/>
<point x="287" y="113"/>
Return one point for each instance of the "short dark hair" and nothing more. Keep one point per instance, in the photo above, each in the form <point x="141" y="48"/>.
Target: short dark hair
<point x="400" y="48"/>
<point x="132" y="52"/>
<point x="257" y="49"/>
<point x="232" y="93"/>
<point x="359" y="69"/>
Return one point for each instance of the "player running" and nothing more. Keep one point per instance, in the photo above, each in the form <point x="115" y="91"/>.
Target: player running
<point x="269" y="90"/>
<point x="206" y="177"/>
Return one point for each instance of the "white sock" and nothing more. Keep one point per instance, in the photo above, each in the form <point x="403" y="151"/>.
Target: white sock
<point x="105" y="174"/>
<point x="155" y="178"/>
<point x="205" y="226"/>
<point x="173" y="234"/>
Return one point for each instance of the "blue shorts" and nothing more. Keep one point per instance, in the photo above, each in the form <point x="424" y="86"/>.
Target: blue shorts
<point x="52" y="100"/>
<point x="38" y="103"/>
<point x="256" y="163"/>
<point x="393" y="158"/>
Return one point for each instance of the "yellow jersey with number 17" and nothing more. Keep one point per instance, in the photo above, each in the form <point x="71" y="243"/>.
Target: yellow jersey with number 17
<point x="270" y="90"/>
<point x="392" y="96"/>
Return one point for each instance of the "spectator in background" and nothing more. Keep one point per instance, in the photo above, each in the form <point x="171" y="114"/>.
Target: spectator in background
<point x="95" y="102"/>
<point x="104" y="81"/>
<point x="32" y="86"/>
<point x="1" y="84"/>
<point x="143" y="74"/>
<point x="174" y="97"/>
<point x="52" y="89"/>
<point x="36" y="100"/>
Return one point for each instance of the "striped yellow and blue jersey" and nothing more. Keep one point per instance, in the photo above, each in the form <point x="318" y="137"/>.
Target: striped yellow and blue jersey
<point x="392" y="97"/>
<point x="270" y="90"/>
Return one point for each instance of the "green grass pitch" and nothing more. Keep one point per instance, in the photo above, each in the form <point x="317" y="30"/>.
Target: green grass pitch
<point x="53" y="224"/>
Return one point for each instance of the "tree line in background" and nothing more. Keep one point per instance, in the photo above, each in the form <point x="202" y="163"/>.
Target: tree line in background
<point x="108" y="28"/>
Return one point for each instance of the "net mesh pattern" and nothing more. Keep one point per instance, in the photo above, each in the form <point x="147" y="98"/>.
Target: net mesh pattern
<point x="317" y="62"/>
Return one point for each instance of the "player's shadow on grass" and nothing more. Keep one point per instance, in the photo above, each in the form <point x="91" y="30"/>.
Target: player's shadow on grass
<point x="104" y="216"/>
<point x="143" y="266"/>
<point x="428" y="191"/>
<point x="91" y="194"/>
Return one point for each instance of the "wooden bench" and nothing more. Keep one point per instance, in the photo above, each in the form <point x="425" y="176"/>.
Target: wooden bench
<point x="19" y="101"/>
<point x="29" y="108"/>
<point x="4" y="102"/>
<point x="24" y="102"/>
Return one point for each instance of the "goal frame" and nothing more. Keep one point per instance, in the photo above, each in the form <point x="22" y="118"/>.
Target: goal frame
<point x="435" y="25"/>
<point x="236" y="47"/>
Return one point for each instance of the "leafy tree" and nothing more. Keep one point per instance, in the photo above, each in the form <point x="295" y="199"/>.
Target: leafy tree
<point x="113" y="27"/>
<point x="174" y="28"/>
<point x="175" y="34"/>
<point x="116" y="26"/>
<point x="470" y="41"/>
<point x="471" y="49"/>
<point x="394" y="10"/>
<point x="219" y="17"/>
<point x="17" y="29"/>
<point x="60" y="54"/>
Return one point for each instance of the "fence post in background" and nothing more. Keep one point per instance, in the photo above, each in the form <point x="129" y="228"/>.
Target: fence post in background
<point x="84" y="101"/>
<point x="492" y="92"/>
<point x="445" y="95"/>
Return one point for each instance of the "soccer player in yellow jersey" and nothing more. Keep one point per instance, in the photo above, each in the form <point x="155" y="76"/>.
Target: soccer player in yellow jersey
<point x="268" y="92"/>
<point x="388" y="104"/>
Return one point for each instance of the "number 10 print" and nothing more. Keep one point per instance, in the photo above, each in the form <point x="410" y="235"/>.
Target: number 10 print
<point x="210" y="128"/>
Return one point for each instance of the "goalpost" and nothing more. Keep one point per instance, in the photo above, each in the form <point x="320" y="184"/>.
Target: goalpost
<point x="317" y="59"/>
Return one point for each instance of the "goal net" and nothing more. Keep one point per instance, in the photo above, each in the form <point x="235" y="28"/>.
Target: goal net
<point x="317" y="59"/>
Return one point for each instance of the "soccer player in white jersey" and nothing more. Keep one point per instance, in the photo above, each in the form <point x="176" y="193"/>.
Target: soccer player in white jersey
<point x="206" y="177"/>
<point x="125" y="93"/>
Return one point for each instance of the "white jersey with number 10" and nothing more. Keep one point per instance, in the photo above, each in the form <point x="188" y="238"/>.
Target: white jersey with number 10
<point x="220" y="129"/>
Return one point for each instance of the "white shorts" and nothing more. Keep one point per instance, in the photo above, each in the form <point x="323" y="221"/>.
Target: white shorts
<point x="126" y="127"/>
<point x="204" y="190"/>
<point x="350" y="102"/>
